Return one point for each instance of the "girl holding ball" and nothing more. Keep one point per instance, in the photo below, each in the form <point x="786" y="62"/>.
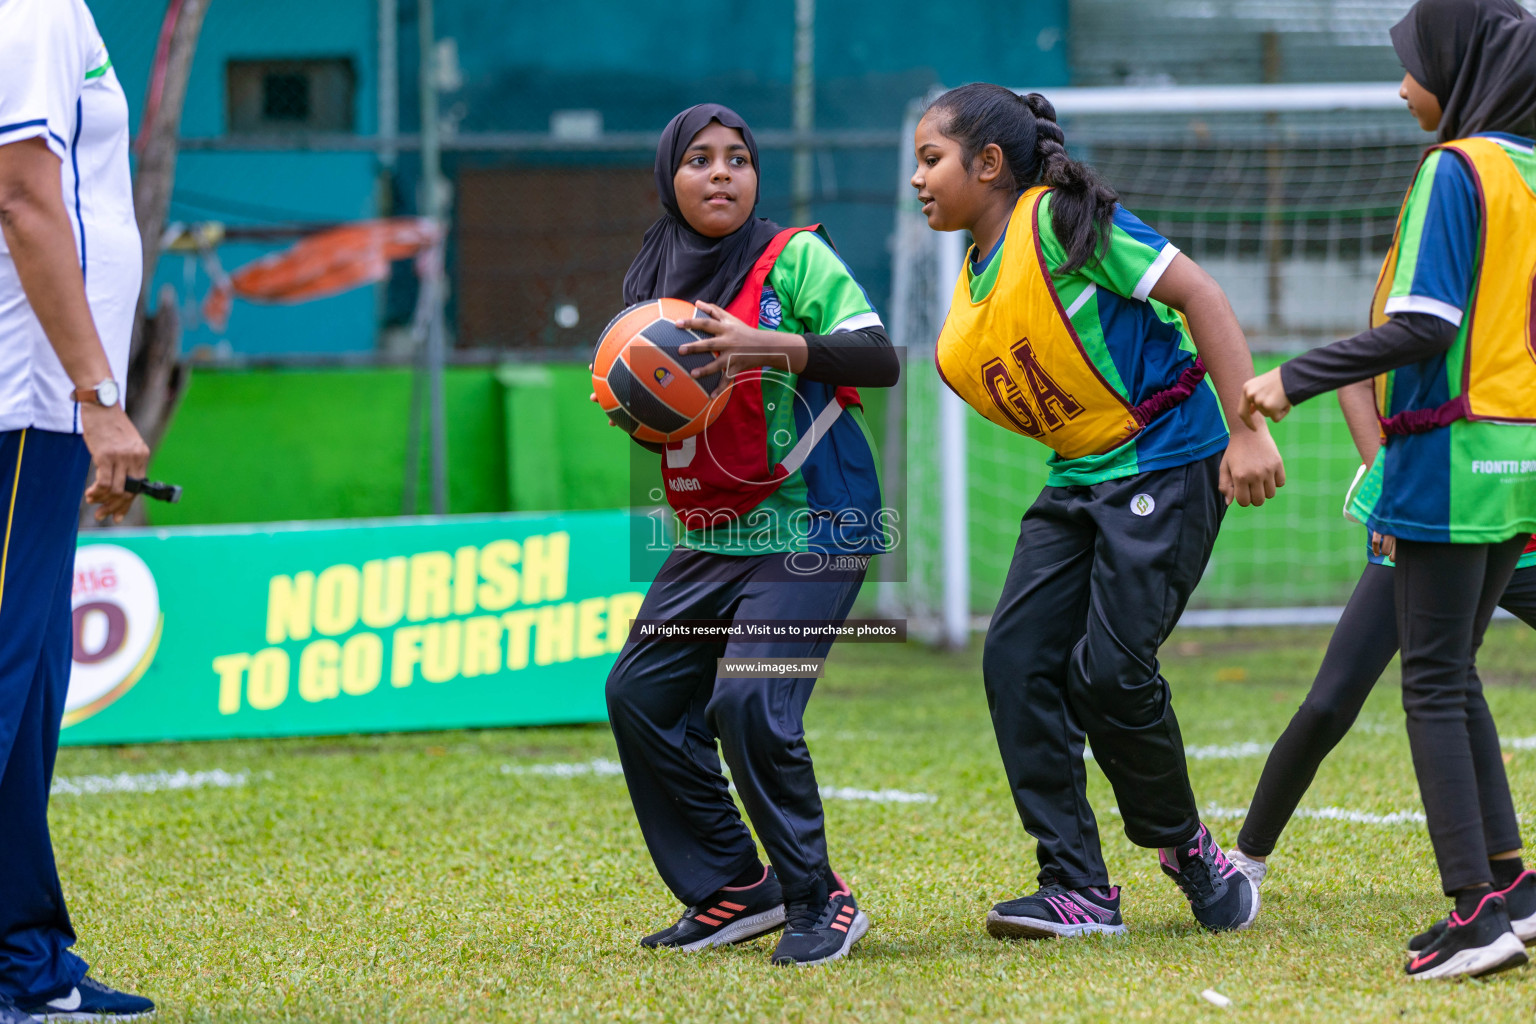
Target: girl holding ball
<point x="778" y="501"/>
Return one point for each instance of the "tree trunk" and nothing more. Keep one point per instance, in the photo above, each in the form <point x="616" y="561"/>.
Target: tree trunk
<point x="156" y="372"/>
<point x="153" y="380"/>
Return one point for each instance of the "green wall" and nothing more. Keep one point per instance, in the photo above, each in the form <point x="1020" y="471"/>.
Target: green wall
<point x="271" y="445"/>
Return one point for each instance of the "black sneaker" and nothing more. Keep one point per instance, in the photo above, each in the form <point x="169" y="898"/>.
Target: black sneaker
<point x="1472" y="947"/>
<point x="817" y="933"/>
<point x="1058" y="911"/>
<point x="91" y="1000"/>
<point x="734" y="914"/>
<point x="1221" y="897"/>
<point x="1520" y="898"/>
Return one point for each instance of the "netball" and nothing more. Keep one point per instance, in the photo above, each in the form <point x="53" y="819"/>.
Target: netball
<point x="641" y="381"/>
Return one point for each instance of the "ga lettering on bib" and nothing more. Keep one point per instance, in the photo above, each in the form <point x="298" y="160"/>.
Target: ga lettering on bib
<point x="1016" y="359"/>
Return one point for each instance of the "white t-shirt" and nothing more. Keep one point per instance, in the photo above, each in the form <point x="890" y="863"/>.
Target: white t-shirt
<point x="57" y="84"/>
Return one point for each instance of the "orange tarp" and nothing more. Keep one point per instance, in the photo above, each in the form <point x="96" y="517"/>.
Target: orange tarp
<point x="324" y="264"/>
<point x="333" y="261"/>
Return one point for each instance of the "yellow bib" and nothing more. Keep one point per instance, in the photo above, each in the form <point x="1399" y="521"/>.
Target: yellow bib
<point x="1014" y="357"/>
<point x="1498" y="371"/>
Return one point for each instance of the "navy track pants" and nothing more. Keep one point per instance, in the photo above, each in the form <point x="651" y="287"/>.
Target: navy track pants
<point x="42" y="475"/>
<point x="1362" y="646"/>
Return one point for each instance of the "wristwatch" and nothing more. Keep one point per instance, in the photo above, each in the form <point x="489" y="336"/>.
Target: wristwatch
<point x="106" y="393"/>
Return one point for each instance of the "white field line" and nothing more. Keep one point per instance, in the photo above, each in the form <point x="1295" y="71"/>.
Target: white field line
<point x="596" y="766"/>
<point x="1519" y="743"/>
<point x="603" y="766"/>
<point x="1216" y="752"/>
<point x="146" y="782"/>
<point x="878" y="796"/>
<point x="1318" y="814"/>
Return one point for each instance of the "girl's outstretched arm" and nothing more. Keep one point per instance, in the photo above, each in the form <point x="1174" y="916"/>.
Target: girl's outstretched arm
<point x="1404" y="339"/>
<point x="1252" y="468"/>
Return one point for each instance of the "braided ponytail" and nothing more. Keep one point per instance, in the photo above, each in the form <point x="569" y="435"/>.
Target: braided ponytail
<point x="1082" y="203"/>
<point x="1025" y="129"/>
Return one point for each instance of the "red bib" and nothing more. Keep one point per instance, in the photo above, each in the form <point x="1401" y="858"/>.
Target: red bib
<point x="723" y="472"/>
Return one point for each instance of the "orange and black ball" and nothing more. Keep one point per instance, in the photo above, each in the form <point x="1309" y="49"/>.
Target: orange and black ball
<point x="641" y="381"/>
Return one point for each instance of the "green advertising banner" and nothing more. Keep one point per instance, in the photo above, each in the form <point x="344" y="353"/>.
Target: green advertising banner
<point x="323" y="628"/>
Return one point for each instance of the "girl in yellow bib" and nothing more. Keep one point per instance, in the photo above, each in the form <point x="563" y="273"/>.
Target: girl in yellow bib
<point x="1075" y="324"/>
<point x="1453" y="347"/>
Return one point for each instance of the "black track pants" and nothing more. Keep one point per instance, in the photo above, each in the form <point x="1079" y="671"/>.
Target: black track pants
<point x="1446" y="594"/>
<point x="1100" y="576"/>
<point x="1362" y="646"/>
<point x="667" y="709"/>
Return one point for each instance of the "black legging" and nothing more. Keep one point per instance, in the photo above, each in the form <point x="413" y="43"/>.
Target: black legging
<point x="1361" y="648"/>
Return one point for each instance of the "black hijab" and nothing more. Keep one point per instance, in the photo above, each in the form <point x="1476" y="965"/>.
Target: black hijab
<point x="1478" y="57"/>
<point x="676" y="261"/>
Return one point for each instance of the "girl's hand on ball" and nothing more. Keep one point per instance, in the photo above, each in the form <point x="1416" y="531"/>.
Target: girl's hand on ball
<point x="593" y="397"/>
<point x="1264" y="394"/>
<point x="738" y="348"/>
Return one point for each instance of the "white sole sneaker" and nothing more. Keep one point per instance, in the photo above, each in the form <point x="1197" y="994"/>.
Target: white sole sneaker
<point x="1001" y="926"/>
<point x="1254" y="869"/>
<point x="745" y="930"/>
<point x="856" y="930"/>
<point x="1525" y="929"/>
<point x="1503" y="953"/>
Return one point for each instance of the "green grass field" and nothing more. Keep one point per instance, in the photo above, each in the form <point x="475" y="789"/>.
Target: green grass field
<point x="435" y="877"/>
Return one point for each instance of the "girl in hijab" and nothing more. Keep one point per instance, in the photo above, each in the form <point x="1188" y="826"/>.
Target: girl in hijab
<point x="1454" y="481"/>
<point x="778" y="503"/>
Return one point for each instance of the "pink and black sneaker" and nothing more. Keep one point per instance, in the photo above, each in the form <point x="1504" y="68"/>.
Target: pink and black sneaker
<point x="1056" y="912"/>
<point x="732" y="915"/>
<point x="1221" y="897"/>
<point x="1472" y="947"/>
<point x="1519" y="898"/>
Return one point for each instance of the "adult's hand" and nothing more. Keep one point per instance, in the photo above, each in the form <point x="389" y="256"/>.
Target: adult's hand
<point x="118" y="452"/>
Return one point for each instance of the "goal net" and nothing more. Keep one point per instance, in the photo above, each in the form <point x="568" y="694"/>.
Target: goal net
<point x="1288" y="196"/>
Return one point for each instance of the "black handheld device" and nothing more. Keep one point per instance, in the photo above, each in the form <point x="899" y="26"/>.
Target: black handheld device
<point x="153" y="489"/>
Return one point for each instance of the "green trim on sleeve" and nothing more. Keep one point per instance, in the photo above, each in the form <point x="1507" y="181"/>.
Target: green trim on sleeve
<point x="1412" y="229"/>
<point x="815" y="288"/>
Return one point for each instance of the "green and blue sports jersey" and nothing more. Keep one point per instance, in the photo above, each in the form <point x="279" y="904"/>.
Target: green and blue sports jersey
<point x="832" y="503"/>
<point x="1435" y="487"/>
<point x="1139" y="345"/>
